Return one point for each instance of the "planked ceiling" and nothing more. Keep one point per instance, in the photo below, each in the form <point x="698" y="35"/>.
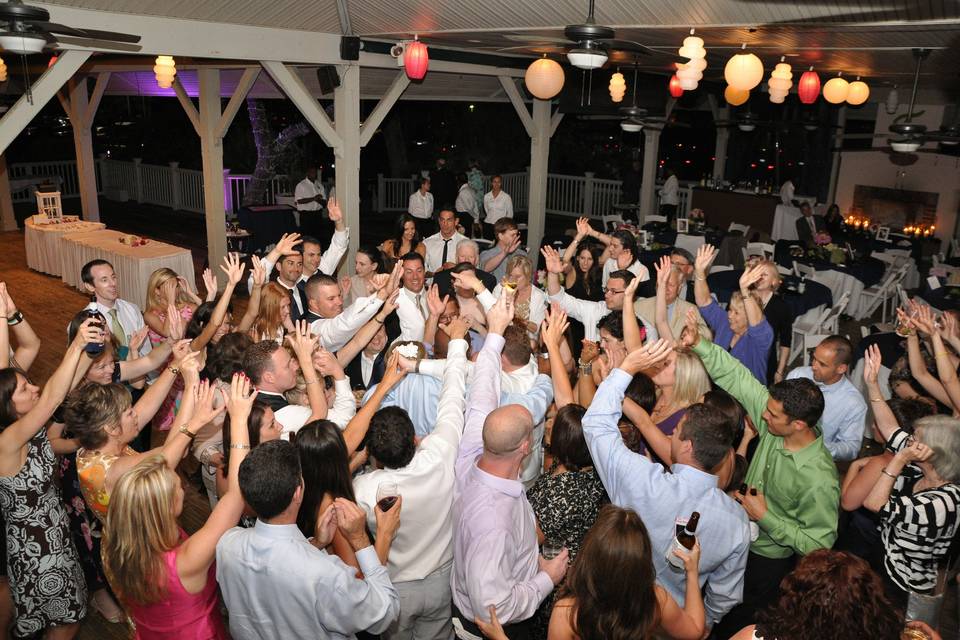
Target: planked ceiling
<point x="871" y="38"/>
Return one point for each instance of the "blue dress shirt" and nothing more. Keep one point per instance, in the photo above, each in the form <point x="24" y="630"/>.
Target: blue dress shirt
<point x="844" y="415"/>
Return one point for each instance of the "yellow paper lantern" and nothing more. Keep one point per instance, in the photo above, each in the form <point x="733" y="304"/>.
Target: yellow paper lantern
<point x="3" y="71"/>
<point x="836" y="90"/>
<point x="544" y="78"/>
<point x="744" y="71"/>
<point x="858" y="92"/>
<point x="165" y="69"/>
<point x="735" y="97"/>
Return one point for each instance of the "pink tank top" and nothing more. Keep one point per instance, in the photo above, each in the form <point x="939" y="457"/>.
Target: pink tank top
<point x="182" y="615"/>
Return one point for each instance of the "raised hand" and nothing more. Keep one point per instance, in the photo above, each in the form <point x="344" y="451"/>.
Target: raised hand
<point x="647" y="356"/>
<point x="554" y="326"/>
<point x="233" y="268"/>
<point x="210" y="281"/>
<point x="90" y="332"/>
<point x="173" y="323"/>
<point x="435" y="303"/>
<point x="629" y="292"/>
<point x="325" y="362"/>
<point x="380" y="281"/>
<point x="750" y="277"/>
<point x="552" y="258"/>
<point x="189" y="366"/>
<point x="467" y="280"/>
<point x="583" y="228"/>
<point x="871" y="364"/>
<point x="300" y="339"/>
<point x="259" y="272"/>
<point x="286" y="243"/>
<point x="241" y="397"/>
<point x="333" y="210"/>
<point x="203" y="410"/>
<point x="457" y="328"/>
<point x="500" y="314"/>
<point x="690" y="335"/>
<point x="664" y="268"/>
<point x="924" y="319"/>
<point x="390" y="304"/>
<point x="181" y="352"/>
<point x="138" y="338"/>
<point x="393" y="373"/>
<point x="706" y="254"/>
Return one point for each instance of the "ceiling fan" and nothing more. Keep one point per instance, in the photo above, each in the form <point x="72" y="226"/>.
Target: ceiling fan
<point x="28" y="29"/>
<point x="913" y="135"/>
<point x="591" y="43"/>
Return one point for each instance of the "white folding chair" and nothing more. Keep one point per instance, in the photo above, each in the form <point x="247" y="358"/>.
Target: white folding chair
<point x="880" y="293"/>
<point x="954" y="247"/>
<point x="801" y="327"/>
<point x="811" y="342"/>
<point x="654" y="218"/>
<point x="803" y="270"/>
<point x="611" y="222"/>
<point x="483" y="243"/>
<point x="742" y="228"/>
<point x="721" y="267"/>
<point x="763" y="249"/>
<point x="831" y="321"/>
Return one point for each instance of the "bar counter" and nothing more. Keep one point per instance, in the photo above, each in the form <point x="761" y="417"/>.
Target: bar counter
<point x="721" y="207"/>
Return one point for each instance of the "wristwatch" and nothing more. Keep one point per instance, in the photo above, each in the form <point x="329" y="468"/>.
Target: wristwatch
<point x="15" y="319"/>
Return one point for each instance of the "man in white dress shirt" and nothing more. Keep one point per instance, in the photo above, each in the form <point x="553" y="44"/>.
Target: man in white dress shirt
<point x="278" y="583"/>
<point x="786" y="192"/>
<point x="497" y="204"/>
<point x="421" y="556"/>
<point x="442" y="246"/>
<point x="466" y="204"/>
<point x="123" y="318"/>
<point x="310" y="198"/>
<point x="669" y="194"/>
<point x="412" y="309"/>
<point x="421" y="208"/>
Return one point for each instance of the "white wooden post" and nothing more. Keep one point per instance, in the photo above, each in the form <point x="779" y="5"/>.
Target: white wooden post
<point x="537" y="175"/>
<point x="81" y="109"/>
<point x="720" y="154"/>
<point x="8" y="221"/>
<point x="648" y="187"/>
<point x="228" y="201"/>
<point x="588" y="193"/>
<point x="346" y="116"/>
<point x="211" y="148"/>
<point x="175" y="184"/>
<point x="138" y="179"/>
<point x="381" y="196"/>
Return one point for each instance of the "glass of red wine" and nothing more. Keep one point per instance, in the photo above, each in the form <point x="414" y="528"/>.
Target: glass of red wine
<point x="387" y="494"/>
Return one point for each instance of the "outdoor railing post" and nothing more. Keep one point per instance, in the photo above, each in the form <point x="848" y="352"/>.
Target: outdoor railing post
<point x="588" y="194"/>
<point x="381" y="195"/>
<point x="175" y="184"/>
<point x="138" y="179"/>
<point x="227" y="192"/>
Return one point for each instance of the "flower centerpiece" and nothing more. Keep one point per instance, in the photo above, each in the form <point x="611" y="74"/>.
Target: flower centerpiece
<point x="697" y="220"/>
<point x="822" y="248"/>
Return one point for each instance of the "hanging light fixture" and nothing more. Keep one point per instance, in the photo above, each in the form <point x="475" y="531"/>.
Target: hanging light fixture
<point x="416" y="60"/>
<point x="893" y="101"/>
<point x="836" y="90"/>
<point x="781" y="79"/>
<point x="618" y="87"/>
<point x="631" y="127"/>
<point x="809" y="87"/>
<point x="858" y="92"/>
<point x="588" y="55"/>
<point x="544" y="78"/>
<point x="744" y="71"/>
<point x="674" y="87"/>
<point x="690" y="74"/>
<point x="735" y="97"/>
<point x="165" y="70"/>
<point x="3" y="70"/>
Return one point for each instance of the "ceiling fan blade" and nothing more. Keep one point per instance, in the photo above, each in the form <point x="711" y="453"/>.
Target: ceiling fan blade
<point x="92" y="34"/>
<point x="536" y="48"/>
<point x="534" y="38"/>
<point x="627" y="45"/>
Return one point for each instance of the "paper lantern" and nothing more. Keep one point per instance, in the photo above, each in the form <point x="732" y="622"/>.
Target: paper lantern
<point x="858" y="92"/>
<point x="735" y="97"/>
<point x="893" y="101"/>
<point x="744" y="71"/>
<point x="416" y="60"/>
<point x="53" y="61"/>
<point x="618" y="87"/>
<point x="781" y="79"/>
<point x="544" y="78"/>
<point x="809" y="87"/>
<point x="165" y="69"/>
<point x="674" y="87"/>
<point x="836" y="90"/>
<point x="690" y="73"/>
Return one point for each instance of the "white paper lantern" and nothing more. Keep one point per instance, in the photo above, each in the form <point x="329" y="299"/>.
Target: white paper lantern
<point x="858" y="92"/>
<point x="165" y="70"/>
<point x="893" y="101"/>
<point x="544" y="78"/>
<point x="781" y="79"/>
<point x="744" y="71"/>
<point x="836" y="89"/>
<point x="691" y="72"/>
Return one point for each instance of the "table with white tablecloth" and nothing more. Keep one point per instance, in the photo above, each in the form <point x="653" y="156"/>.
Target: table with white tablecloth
<point x="42" y="241"/>
<point x="133" y="265"/>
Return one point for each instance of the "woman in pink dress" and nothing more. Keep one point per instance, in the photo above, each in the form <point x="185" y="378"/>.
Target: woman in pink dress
<point x="167" y="579"/>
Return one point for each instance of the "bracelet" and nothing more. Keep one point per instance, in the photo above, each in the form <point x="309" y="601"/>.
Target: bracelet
<point x="240" y="446"/>
<point x="887" y="473"/>
<point x="174" y="370"/>
<point x="699" y="278"/>
<point x="876" y="399"/>
<point x="311" y="381"/>
<point x="15" y="319"/>
<point x="183" y="429"/>
<point x="378" y="320"/>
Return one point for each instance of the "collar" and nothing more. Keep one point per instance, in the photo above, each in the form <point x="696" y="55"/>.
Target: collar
<point x="412" y="294"/>
<point x="695" y="476"/>
<point x="282" y="284"/>
<point x="270" y="393"/>
<point x="828" y="387"/>
<point x="512" y="488"/>
<point x="278" y="531"/>
<point x="806" y="455"/>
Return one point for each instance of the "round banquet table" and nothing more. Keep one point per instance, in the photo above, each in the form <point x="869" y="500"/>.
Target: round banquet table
<point x="133" y="265"/>
<point x="42" y="241"/>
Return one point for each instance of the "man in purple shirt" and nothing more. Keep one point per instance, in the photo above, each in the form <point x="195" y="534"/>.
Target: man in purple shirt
<point x="496" y="561"/>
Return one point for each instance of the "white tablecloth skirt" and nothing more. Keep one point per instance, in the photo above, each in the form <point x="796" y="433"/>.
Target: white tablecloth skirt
<point x="133" y="265"/>
<point x="42" y="242"/>
<point x="839" y="283"/>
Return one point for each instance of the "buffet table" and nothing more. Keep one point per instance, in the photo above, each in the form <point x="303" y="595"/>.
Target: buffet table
<point x="133" y="265"/>
<point x="42" y="241"/>
<point x="722" y="207"/>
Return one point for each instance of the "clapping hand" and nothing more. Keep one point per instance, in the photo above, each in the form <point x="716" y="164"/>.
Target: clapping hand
<point x="706" y="254"/>
<point x="552" y="260"/>
<point x="554" y="326"/>
<point x="233" y="268"/>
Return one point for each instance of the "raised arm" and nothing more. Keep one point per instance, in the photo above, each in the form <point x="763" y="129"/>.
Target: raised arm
<point x="28" y="343"/>
<point x="657" y="440"/>
<point x="632" y="337"/>
<point x="706" y="254"/>
<point x="553" y="333"/>
<point x="946" y="368"/>
<point x="258" y="278"/>
<point x="356" y="430"/>
<point x="491" y="263"/>
<point x="918" y="368"/>
<point x="284" y="247"/>
<point x="884" y="417"/>
<point x="234" y="270"/>
<point x="18" y="435"/>
<point x="436" y="305"/>
<point x="339" y="243"/>
<point x="906" y="454"/>
<point x="452" y="402"/>
<point x="569" y="254"/>
<point x="554" y="269"/>
<point x="303" y="345"/>
<point x="362" y="337"/>
<point x="149" y="403"/>
<point x="664" y="269"/>
<point x="754" y="310"/>
<point x="198" y="552"/>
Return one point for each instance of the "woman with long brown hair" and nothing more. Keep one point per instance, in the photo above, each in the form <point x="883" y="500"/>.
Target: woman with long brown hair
<point x="274" y="319"/>
<point x="166" y="578"/>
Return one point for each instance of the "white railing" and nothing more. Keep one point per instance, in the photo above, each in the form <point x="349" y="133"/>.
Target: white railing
<point x="235" y="186"/>
<point x="64" y="170"/>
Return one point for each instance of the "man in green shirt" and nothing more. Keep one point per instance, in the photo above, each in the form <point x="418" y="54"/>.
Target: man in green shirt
<point x="794" y="489"/>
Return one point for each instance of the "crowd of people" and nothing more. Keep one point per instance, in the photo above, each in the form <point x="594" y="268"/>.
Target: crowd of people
<point x="440" y="444"/>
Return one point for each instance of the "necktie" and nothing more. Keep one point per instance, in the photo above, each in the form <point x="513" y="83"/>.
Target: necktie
<point x="813" y="225"/>
<point x="419" y="298"/>
<point x="443" y="258"/>
<point x="116" y="329"/>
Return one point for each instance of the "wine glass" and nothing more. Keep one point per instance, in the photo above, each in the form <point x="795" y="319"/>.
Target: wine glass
<point x="387" y="494"/>
<point x="551" y="548"/>
<point x="904" y="328"/>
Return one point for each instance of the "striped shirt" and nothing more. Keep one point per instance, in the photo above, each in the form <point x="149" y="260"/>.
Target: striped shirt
<point x="916" y="528"/>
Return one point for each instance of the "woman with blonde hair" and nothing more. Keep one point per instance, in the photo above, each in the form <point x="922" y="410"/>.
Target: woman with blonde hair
<point x="529" y="302"/>
<point x="167" y="579"/>
<point x="166" y="289"/>
<point x="274" y="319"/>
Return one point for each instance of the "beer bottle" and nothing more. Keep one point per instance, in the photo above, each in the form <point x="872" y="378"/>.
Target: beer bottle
<point x="94" y="349"/>
<point x="684" y="540"/>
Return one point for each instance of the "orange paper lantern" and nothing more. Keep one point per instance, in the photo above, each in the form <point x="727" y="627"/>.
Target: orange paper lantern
<point x="809" y="87"/>
<point x="416" y="60"/>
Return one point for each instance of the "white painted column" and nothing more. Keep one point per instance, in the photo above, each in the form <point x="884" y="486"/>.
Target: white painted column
<point x="539" y="159"/>
<point x="346" y="117"/>
<point x="8" y="221"/>
<point x="80" y="117"/>
<point x="720" y="152"/>
<point x="211" y="148"/>
<point x="648" y="186"/>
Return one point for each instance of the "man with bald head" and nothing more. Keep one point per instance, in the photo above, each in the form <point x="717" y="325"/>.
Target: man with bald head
<point x="496" y="561"/>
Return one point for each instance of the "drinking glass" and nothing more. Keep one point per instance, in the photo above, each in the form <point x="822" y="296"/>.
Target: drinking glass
<point x="903" y="329"/>
<point x="551" y="548"/>
<point x="387" y="494"/>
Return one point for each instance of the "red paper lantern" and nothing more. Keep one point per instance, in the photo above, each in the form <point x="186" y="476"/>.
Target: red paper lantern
<point x="415" y="60"/>
<point x="53" y="61"/>
<point x="675" y="89"/>
<point x="809" y="87"/>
